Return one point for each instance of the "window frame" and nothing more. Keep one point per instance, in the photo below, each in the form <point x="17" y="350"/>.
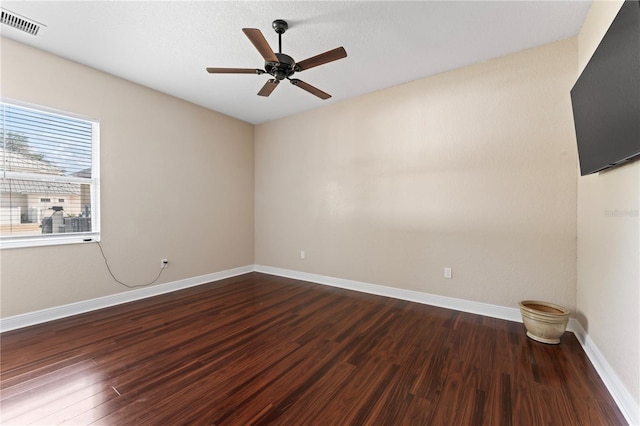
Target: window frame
<point x="8" y="241"/>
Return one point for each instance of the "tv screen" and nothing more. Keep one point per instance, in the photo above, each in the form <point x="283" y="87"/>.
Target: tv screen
<point x="606" y="97"/>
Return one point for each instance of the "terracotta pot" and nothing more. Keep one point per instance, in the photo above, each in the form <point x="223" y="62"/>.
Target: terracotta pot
<point x="545" y="322"/>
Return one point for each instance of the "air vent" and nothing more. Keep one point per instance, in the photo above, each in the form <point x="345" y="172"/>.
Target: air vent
<point x="20" y="23"/>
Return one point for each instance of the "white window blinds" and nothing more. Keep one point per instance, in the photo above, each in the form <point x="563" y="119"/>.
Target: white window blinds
<point x="48" y="177"/>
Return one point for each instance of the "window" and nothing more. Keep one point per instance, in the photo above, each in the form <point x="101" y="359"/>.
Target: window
<point x="49" y="177"/>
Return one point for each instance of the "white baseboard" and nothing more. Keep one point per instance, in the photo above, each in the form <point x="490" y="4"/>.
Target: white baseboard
<point x="495" y="311"/>
<point x="620" y="394"/>
<point x="50" y="314"/>
<point x="630" y="409"/>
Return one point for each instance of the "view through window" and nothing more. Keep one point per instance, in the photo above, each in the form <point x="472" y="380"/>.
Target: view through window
<point x="48" y="177"/>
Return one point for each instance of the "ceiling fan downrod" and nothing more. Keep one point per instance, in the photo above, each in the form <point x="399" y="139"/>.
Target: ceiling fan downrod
<point x="280" y="26"/>
<point x="285" y="67"/>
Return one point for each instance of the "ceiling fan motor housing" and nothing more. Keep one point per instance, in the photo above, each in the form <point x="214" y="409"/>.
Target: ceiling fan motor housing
<point x="283" y="69"/>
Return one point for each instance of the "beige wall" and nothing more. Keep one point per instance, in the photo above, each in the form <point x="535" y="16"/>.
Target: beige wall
<point x="177" y="183"/>
<point x="608" y="293"/>
<point x="472" y="169"/>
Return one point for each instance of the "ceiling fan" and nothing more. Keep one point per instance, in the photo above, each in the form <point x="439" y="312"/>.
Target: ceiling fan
<point x="279" y="65"/>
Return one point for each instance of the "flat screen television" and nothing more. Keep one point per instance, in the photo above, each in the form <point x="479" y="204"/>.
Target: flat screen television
<point x="606" y="97"/>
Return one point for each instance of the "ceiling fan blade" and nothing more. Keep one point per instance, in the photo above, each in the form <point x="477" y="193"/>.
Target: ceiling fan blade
<point x="234" y="71"/>
<point x="268" y="87"/>
<point x="323" y="58"/>
<point x="255" y="36"/>
<point x="309" y="88"/>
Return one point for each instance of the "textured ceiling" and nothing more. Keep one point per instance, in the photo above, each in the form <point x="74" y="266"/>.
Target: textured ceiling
<point x="167" y="45"/>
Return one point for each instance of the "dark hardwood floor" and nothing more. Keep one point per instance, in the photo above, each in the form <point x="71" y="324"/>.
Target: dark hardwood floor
<point x="259" y="349"/>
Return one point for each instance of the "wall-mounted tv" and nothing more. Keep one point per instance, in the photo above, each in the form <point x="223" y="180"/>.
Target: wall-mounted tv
<point x="606" y="97"/>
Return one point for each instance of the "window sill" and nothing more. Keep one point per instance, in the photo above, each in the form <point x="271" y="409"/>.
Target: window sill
<point x="49" y="240"/>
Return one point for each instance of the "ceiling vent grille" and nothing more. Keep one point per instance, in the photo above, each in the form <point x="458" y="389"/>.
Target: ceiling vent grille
<point x="20" y="23"/>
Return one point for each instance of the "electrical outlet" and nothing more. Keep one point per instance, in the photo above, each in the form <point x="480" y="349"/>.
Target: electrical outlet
<point x="302" y="254"/>
<point x="448" y="273"/>
<point x="164" y="263"/>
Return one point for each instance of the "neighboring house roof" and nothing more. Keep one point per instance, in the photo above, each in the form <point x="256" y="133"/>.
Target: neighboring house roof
<point x="18" y="162"/>
<point x="20" y="186"/>
<point x="84" y="173"/>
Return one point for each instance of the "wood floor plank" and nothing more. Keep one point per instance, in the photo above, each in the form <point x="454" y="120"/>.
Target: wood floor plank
<point x="260" y="349"/>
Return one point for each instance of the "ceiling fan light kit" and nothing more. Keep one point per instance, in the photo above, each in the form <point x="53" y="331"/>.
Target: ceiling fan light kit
<point x="279" y="65"/>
